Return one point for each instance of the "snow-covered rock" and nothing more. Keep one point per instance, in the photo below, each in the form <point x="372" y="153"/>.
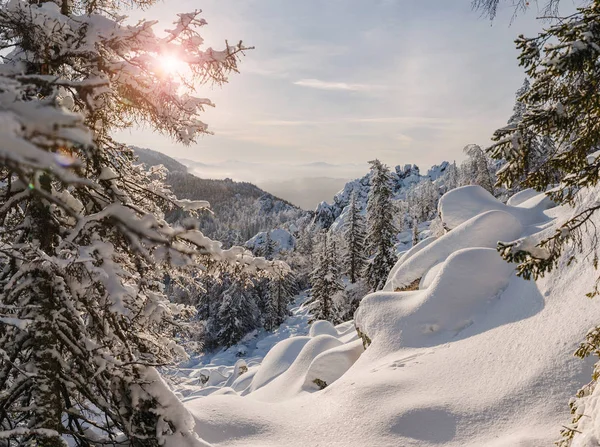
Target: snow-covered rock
<point x="403" y="177"/>
<point x="283" y="240"/>
<point x="464" y="203"/>
<point x="476" y="357"/>
<point x="483" y="230"/>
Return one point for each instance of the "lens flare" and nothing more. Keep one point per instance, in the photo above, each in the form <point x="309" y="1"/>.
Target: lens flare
<point x="171" y="65"/>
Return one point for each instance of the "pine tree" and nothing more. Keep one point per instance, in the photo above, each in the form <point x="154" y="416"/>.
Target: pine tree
<point x="451" y="178"/>
<point x="476" y="169"/>
<point x="84" y="320"/>
<point x="519" y="108"/>
<point x="422" y="201"/>
<point x="354" y="236"/>
<point x="238" y="313"/>
<point x="381" y="233"/>
<point x="562" y="104"/>
<point x="326" y="282"/>
<point x="540" y="147"/>
<point x="268" y="249"/>
<point x="415" y="232"/>
<point x="282" y="290"/>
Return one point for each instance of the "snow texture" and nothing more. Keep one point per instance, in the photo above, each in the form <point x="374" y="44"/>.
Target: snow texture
<point x="283" y="239"/>
<point x="476" y="356"/>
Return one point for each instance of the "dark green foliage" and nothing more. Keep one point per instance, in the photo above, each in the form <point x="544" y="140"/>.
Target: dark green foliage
<point x="238" y="313"/>
<point x="562" y="106"/>
<point x="381" y="233"/>
<point x="554" y="142"/>
<point x="325" y="282"/>
<point x="268" y="249"/>
<point x="354" y="236"/>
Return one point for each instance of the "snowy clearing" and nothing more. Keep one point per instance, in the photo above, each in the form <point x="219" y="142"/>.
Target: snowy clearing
<point x="457" y="363"/>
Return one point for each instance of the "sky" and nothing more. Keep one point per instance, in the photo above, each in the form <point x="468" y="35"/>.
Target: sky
<point x="345" y="81"/>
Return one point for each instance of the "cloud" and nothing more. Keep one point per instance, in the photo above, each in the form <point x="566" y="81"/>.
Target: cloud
<point x="325" y="85"/>
<point x="285" y="123"/>
<point x="407" y="120"/>
<point x="404" y="140"/>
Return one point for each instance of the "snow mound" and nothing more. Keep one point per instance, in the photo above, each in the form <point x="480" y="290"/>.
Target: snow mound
<point x="278" y="360"/>
<point x="476" y="357"/>
<point x="332" y="364"/>
<point x="522" y="196"/>
<point x="283" y="239"/>
<point x="290" y="383"/>
<point x="322" y="328"/>
<point x="462" y="204"/>
<point x="424" y="318"/>
<point x="484" y="230"/>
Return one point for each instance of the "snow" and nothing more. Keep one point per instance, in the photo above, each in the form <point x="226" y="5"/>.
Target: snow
<point x="461" y="204"/>
<point x="476" y="357"/>
<point x="483" y="230"/>
<point x="335" y="215"/>
<point x="446" y="307"/>
<point x="208" y="373"/>
<point x="283" y="239"/>
<point x="522" y="196"/>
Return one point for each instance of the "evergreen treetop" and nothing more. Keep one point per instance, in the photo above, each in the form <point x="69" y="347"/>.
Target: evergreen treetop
<point x="381" y="232"/>
<point x="84" y="320"/>
<point x="354" y="236"/>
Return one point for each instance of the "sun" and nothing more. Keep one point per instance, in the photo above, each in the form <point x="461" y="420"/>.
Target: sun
<point x="170" y="64"/>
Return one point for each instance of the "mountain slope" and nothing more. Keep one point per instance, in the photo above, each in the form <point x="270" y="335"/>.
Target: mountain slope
<point x="476" y="357"/>
<point x="240" y="209"/>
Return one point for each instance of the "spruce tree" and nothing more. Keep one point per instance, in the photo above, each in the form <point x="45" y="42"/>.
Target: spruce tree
<point x="415" y="232"/>
<point x="354" y="236"/>
<point x="84" y="321"/>
<point x="451" y="179"/>
<point x="282" y="290"/>
<point x="476" y="169"/>
<point x="561" y="104"/>
<point x="326" y="282"/>
<point x="268" y="249"/>
<point x="238" y="313"/>
<point x="381" y="232"/>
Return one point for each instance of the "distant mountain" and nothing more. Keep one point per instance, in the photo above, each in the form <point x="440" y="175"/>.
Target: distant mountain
<point x="154" y="158"/>
<point x="304" y="191"/>
<point x="305" y="185"/>
<point x="241" y="209"/>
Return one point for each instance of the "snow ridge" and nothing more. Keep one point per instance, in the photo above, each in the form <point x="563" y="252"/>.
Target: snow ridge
<point x="475" y="356"/>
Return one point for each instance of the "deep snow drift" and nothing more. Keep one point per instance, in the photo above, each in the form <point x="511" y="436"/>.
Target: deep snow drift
<point x="475" y="357"/>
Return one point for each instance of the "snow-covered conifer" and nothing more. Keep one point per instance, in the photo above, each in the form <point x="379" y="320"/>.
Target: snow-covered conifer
<point x="326" y="281"/>
<point x="268" y="248"/>
<point x="422" y="201"/>
<point x="238" y="313"/>
<point x="562" y="104"/>
<point x="415" y="232"/>
<point x="381" y="232"/>
<point x="84" y="320"/>
<point x="282" y="290"/>
<point x="476" y="169"/>
<point x="451" y="177"/>
<point x="354" y="236"/>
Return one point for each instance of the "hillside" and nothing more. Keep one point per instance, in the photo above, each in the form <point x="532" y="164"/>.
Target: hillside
<point x="403" y="178"/>
<point x="241" y="209"/>
<point x="475" y="357"/>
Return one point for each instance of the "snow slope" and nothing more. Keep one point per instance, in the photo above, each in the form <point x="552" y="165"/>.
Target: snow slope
<point x="475" y="357"/>
<point x="283" y="240"/>
<point x="209" y="372"/>
<point x="334" y="215"/>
